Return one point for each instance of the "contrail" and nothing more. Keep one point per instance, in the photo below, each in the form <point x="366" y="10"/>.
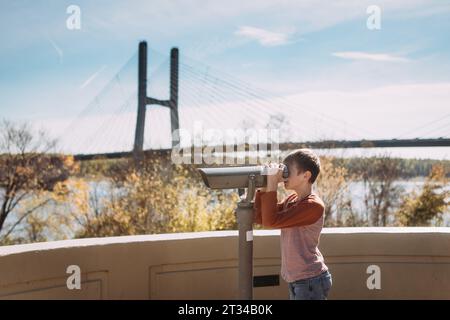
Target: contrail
<point x="92" y="77"/>
<point x="58" y="49"/>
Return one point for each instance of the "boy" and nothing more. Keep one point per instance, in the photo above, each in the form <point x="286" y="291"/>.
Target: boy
<point x="300" y="218"/>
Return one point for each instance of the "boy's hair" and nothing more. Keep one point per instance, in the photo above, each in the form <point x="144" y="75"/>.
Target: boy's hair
<point x="306" y="160"/>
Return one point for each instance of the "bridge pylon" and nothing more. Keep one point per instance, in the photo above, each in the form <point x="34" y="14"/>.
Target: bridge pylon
<point x="144" y="100"/>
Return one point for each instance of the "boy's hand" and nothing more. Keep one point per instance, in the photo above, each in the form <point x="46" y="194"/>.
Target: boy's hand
<point x="275" y="176"/>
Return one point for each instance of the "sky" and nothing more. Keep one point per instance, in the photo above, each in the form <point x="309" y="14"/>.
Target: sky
<point x="349" y="81"/>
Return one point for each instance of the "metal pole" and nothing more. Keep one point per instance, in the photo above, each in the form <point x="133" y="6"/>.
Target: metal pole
<point x="244" y="213"/>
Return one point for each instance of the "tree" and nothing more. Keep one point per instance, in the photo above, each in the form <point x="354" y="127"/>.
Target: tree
<point x="381" y="193"/>
<point x="332" y="186"/>
<point x="156" y="197"/>
<point x="30" y="177"/>
<point x="279" y="121"/>
<point x="430" y="204"/>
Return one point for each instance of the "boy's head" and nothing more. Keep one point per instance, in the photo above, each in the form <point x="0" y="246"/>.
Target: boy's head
<point x="304" y="167"/>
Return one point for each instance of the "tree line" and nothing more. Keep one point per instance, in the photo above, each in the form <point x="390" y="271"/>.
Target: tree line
<point x="45" y="195"/>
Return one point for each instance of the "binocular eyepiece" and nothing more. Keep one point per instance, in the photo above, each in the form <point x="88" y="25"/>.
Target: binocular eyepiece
<point x="238" y="177"/>
<point x="285" y="171"/>
<point x="268" y="170"/>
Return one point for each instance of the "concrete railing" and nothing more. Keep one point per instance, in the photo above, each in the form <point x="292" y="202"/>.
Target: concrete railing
<point x="414" y="263"/>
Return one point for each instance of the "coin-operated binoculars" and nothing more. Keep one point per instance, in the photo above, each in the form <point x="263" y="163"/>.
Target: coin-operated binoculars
<point x="249" y="177"/>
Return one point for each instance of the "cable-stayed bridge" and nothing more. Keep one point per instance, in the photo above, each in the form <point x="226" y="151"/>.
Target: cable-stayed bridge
<point x="154" y="94"/>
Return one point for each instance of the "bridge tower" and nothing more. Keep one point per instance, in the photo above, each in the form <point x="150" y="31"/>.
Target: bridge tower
<point x="143" y="100"/>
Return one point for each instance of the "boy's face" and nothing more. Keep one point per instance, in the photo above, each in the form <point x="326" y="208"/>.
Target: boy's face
<point x="297" y="178"/>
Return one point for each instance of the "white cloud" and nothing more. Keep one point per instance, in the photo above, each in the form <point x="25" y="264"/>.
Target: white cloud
<point x="125" y="19"/>
<point x="264" y="37"/>
<point x="357" y="55"/>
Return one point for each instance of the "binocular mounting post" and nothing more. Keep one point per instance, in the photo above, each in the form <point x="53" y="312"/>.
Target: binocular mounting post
<point x="244" y="214"/>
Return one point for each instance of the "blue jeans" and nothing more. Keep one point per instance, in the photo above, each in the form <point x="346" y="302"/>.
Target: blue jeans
<point x="315" y="288"/>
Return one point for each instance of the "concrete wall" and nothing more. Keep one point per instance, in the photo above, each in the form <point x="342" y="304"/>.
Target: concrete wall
<point x="414" y="264"/>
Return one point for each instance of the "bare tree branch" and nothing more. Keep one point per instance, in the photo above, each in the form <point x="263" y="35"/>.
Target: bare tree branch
<point x="26" y="214"/>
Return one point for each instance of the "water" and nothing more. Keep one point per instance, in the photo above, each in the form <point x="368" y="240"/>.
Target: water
<point x="437" y="153"/>
<point x="434" y="153"/>
<point x="357" y="192"/>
